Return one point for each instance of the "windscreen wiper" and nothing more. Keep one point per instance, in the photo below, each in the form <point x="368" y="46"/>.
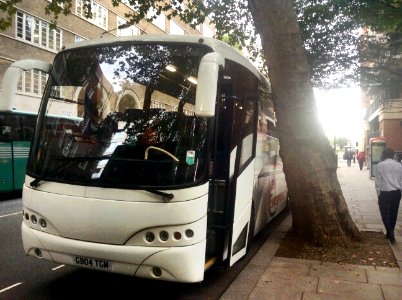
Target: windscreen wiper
<point x="36" y="182"/>
<point x="165" y="196"/>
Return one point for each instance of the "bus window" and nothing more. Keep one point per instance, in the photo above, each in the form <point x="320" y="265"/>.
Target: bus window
<point x="5" y="132"/>
<point x="6" y="126"/>
<point x="26" y="127"/>
<point x="248" y="131"/>
<point x="243" y="93"/>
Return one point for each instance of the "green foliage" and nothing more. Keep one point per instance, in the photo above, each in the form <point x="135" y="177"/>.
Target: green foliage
<point x="331" y="40"/>
<point x="380" y="45"/>
<point x="379" y="15"/>
<point x="337" y="55"/>
<point x="9" y="8"/>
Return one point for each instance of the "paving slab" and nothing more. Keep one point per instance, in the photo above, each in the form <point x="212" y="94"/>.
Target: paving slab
<point x="274" y="285"/>
<point x="350" y="289"/>
<point x="297" y="261"/>
<point x="392" y="292"/>
<point x="247" y="280"/>
<point x="386" y="276"/>
<point x="321" y="296"/>
<point x="340" y="272"/>
<point x="288" y="269"/>
<point x="263" y="293"/>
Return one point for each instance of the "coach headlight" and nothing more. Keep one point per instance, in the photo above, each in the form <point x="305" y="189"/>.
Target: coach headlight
<point x="35" y="221"/>
<point x="164" y="235"/>
<point x="150" y="237"/>
<point x="43" y="223"/>
<point x="171" y="236"/>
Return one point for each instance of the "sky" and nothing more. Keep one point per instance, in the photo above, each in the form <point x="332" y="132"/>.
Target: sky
<point x="340" y="112"/>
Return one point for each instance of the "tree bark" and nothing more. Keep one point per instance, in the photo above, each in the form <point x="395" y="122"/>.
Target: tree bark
<point x="319" y="211"/>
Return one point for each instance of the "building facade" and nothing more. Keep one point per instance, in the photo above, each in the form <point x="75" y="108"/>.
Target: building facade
<point x="384" y="119"/>
<point x="31" y="36"/>
<point x="382" y="92"/>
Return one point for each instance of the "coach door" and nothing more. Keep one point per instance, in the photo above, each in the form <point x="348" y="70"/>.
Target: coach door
<point x="234" y="173"/>
<point x="233" y="160"/>
<point x="242" y="172"/>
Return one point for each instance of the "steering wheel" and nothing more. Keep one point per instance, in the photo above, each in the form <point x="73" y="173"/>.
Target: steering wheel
<point x="161" y="150"/>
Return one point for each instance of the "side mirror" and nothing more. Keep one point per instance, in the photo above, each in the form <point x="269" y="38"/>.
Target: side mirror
<point x="12" y="76"/>
<point x="207" y="84"/>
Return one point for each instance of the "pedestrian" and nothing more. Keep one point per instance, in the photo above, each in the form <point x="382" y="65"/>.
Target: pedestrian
<point x="349" y="156"/>
<point x="361" y="159"/>
<point x="388" y="184"/>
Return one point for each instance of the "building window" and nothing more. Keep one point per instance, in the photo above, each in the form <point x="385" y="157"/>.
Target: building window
<point x="132" y="30"/>
<point x="38" y="32"/>
<point x="78" y="38"/>
<point x="207" y="31"/>
<point x="99" y="13"/>
<point x="175" y="29"/>
<point x="159" y="21"/>
<point x="32" y="82"/>
<point x="126" y="2"/>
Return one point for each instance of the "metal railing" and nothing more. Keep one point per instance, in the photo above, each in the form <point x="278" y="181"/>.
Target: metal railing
<point x="376" y="104"/>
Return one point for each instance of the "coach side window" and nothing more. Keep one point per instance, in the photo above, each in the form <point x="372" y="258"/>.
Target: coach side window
<point x="244" y="95"/>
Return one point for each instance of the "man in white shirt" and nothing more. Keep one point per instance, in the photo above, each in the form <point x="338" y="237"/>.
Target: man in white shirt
<point x="388" y="184"/>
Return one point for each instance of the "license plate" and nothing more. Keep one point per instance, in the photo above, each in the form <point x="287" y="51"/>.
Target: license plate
<point x="94" y="263"/>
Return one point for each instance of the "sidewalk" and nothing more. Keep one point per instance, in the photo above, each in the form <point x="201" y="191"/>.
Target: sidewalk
<point x="269" y="277"/>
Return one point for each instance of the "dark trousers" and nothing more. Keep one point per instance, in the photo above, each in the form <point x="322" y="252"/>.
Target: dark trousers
<point x="389" y="205"/>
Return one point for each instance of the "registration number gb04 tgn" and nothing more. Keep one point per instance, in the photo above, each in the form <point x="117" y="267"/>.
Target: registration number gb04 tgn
<point x="92" y="263"/>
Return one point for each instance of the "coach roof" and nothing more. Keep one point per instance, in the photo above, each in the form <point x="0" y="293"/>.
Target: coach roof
<point x="218" y="46"/>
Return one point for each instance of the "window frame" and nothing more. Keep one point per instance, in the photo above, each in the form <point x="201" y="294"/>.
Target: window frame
<point x="37" y="32"/>
<point x="32" y="82"/>
<point x="134" y="30"/>
<point x="100" y="13"/>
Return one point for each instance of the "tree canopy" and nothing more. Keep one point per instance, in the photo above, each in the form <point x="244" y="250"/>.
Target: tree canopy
<point x="337" y="52"/>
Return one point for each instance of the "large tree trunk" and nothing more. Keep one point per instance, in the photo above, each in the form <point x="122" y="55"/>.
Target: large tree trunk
<point x="318" y="208"/>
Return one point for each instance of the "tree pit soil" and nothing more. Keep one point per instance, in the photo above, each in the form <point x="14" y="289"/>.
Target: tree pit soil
<point x="375" y="250"/>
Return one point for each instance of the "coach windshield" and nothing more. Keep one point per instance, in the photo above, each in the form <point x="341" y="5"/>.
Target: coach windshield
<point x="122" y="115"/>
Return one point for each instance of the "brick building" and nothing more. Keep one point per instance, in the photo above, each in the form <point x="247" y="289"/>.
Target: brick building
<point x="382" y="97"/>
<point x="30" y="36"/>
<point x="384" y="119"/>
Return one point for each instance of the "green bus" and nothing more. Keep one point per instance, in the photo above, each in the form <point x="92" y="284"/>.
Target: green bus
<point x="16" y="132"/>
